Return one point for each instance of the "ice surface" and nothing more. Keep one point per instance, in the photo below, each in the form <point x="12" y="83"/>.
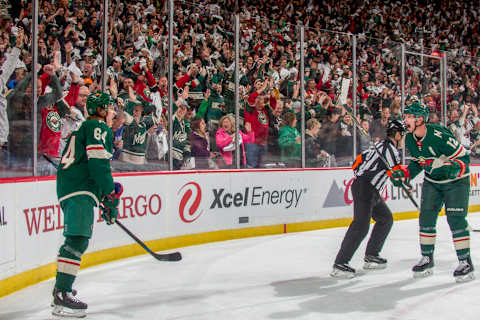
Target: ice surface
<point x="275" y="277"/>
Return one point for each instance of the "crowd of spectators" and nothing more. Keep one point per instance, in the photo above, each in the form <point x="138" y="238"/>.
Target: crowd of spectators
<point x="203" y="128"/>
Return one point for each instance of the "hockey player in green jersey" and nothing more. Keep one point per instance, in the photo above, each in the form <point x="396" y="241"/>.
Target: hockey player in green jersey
<point x="84" y="181"/>
<point x="445" y="162"/>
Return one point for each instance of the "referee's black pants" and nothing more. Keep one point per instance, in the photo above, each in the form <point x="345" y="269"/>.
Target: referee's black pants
<point x="367" y="204"/>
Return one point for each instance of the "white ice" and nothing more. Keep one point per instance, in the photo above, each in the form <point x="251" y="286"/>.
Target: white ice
<point x="274" y="277"/>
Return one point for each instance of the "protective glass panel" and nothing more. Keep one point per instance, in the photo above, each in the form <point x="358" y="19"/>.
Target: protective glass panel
<point x="270" y="63"/>
<point x="463" y="101"/>
<point x="204" y="89"/>
<point x="423" y="80"/>
<point x="324" y="74"/>
<point x="16" y="107"/>
<point x="378" y="88"/>
<point x="136" y="76"/>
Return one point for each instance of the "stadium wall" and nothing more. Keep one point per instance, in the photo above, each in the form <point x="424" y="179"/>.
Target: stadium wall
<point x="176" y="209"/>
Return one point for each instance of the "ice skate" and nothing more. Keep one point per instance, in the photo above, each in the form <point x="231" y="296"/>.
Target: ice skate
<point x="74" y="293"/>
<point x="424" y="268"/>
<point x="66" y="305"/>
<point x="464" y="271"/>
<point x="374" y="262"/>
<point x="342" y="271"/>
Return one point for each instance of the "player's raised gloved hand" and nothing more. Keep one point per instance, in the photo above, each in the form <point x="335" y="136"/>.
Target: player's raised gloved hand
<point x="109" y="208"/>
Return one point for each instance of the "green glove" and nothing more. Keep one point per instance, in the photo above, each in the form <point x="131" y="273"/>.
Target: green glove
<point x="109" y="208"/>
<point x="399" y="172"/>
<point x="397" y="182"/>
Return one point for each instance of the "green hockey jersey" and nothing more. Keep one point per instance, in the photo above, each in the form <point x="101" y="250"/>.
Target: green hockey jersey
<point x="135" y="140"/>
<point x="439" y="154"/>
<point x="213" y="108"/>
<point x="85" y="164"/>
<point x="181" y="141"/>
<point x="124" y="98"/>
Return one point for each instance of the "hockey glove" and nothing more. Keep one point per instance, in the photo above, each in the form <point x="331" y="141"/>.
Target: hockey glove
<point x="399" y="172"/>
<point x="118" y="190"/>
<point x="397" y="182"/>
<point x="109" y="208"/>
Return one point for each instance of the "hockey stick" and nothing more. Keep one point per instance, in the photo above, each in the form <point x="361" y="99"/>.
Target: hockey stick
<point x="50" y="160"/>
<point x="174" y="256"/>
<point x="382" y="158"/>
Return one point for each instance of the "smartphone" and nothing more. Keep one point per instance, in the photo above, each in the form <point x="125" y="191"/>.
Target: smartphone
<point x="159" y="129"/>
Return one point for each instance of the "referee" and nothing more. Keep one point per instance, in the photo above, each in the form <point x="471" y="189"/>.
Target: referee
<point x="370" y="177"/>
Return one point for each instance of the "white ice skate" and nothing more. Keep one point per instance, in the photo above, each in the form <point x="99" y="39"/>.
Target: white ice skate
<point x="374" y="262"/>
<point x="342" y="271"/>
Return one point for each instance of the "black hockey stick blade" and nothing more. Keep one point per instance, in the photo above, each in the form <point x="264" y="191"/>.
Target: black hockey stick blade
<point x="174" y="256"/>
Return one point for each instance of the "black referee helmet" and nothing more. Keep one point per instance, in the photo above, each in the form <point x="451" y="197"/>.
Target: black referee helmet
<point x="395" y="126"/>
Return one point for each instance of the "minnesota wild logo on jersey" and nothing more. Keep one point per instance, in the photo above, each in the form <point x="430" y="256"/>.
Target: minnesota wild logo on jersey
<point x="442" y="157"/>
<point x="262" y="118"/>
<point x="53" y="121"/>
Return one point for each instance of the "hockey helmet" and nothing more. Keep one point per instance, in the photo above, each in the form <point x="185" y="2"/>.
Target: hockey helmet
<point x="394" y="126"/>
<point x="98" y="99"/>
<point x="417" y="109"/>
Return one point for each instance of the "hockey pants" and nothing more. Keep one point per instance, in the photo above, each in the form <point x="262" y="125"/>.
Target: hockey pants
<point x="367" y="204"/>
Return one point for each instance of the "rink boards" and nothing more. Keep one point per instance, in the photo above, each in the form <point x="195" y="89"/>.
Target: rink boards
<point x="175" y="209"/>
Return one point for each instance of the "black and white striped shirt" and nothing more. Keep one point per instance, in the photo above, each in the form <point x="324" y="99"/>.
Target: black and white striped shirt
<point x="373" y="168"/>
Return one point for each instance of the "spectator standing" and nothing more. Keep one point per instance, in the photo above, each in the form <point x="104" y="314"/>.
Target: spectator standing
<point x="330" y="132"/>
<point x="289" y="140"/>
<point x="225" y="140"/>
<point x="378" y="129"/>
<point x="134" y="137"/>
<point x="118" y="126"/>
<point x="315" y="156"/>
<point x="258" y="120"/>
<point x="200" y="145"/>
<point x="181" y="150"/>
<point x="6" y="70"/>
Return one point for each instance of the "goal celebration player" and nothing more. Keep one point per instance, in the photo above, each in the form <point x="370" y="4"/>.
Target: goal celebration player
<point x="371" y="175"/>
<point x="84" y="181"/>
<point x="436" y="151"/>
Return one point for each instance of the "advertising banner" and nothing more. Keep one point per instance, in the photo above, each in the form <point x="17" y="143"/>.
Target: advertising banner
<point x="7" y="230"/>
<point x="160" y="205"/>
